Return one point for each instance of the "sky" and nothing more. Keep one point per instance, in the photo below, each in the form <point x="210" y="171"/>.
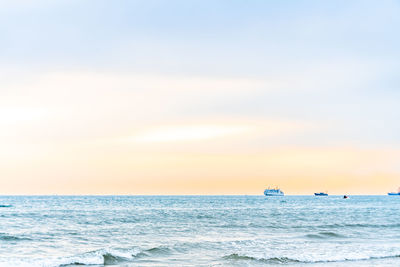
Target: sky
<point x="199" y="97"/>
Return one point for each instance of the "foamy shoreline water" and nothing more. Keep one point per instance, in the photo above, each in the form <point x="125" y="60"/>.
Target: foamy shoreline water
<point x="199" y="231"/>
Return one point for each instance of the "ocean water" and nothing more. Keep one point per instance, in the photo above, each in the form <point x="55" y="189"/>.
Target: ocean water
<point x="199" y="231"/>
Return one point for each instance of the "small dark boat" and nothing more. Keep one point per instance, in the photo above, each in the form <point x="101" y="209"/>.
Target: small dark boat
<point x="345" y="196"/>
<point x="321" y="194"/>
<point x="395" y="193"/>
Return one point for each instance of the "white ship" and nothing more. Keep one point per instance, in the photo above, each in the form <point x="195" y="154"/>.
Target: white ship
<point x="273" y="192"/>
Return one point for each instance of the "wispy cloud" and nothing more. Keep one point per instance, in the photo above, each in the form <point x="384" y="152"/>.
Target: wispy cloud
<point x="187" y="133"/>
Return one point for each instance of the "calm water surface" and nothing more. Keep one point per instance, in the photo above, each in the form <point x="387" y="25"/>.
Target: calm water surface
<point x="199" y="231"/>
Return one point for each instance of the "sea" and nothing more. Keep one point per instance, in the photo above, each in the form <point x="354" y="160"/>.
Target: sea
<point x="242" y="230"/>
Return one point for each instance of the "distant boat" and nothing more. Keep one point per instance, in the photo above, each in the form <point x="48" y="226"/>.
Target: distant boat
<point x="273" y="192"/>
<point x="321" y="194"/>
<point x="345" y="196"/>
<point x="394" y="193"/>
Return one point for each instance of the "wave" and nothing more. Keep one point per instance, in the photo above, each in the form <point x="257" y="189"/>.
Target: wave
<point x="273" y="260"/>
<point x="100" y="257"/>
<point x="330" y="226"/>
<point x="159" y="250"/>
<point x="112" y="256"/>
<point x="5" y="206"/>
<point x="324" y="235"/>
<point x="205" y="216"/>
<point x="245" y="225"/>
<point x="362" y="225"/>
<point x="156" y="251"/>
<point x="286" y="260"/>
<point x="318" y="226"/>
<point x="7" y="237"/>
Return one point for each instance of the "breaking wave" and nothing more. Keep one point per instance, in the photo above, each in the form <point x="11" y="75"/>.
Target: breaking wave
<point x="106" y="257"/>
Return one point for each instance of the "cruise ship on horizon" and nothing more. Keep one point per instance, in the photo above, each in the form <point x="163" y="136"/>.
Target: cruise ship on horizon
<point x="273" y="192"/>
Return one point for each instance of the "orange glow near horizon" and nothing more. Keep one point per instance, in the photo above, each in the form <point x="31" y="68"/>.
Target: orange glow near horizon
<point x="295" y="170"/>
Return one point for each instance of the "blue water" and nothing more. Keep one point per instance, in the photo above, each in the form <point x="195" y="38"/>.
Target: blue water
<point x="199" y="231"/>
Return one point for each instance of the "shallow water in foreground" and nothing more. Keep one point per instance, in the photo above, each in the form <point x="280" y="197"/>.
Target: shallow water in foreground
<point x="199" y="231"/>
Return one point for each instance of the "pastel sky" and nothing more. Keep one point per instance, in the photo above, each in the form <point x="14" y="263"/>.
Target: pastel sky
<point x="199" y="97"/>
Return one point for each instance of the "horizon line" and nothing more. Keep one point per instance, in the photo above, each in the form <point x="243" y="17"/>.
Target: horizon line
<point x="312" y="194"/>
